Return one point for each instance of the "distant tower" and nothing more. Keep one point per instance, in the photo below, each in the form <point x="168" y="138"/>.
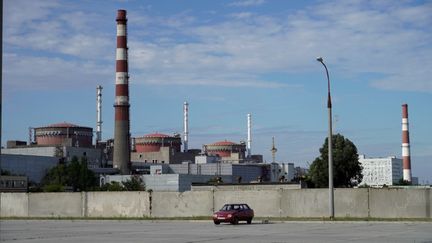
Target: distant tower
<point x="98" y="114"/>
<point x="185" y="126"/>
<point x="30" y="130"/>
<point x="273" y="150"/>
<point x="121" y="154"/>
<point x="249" y="135"/>
<point x="406" y="145"/>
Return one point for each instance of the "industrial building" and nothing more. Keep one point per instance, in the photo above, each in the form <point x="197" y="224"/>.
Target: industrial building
<point x="13" y="183"/>
<point x="47" y="147"/>
<point x="381" y="171"/>
<point x="165" y="182"/>
<point x="229" y="152"/>
<point x="66" y="134"/>
<point x="179" y="177"/>
<point x="161" y="148"/>
<point x="60" y="140"/>
<point x="32" y="166"/>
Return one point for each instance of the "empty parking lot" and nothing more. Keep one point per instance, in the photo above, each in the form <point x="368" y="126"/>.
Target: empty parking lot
<point x="205" y="231"/>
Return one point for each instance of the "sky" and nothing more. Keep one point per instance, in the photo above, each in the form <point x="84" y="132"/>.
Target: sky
<point x="228" y="58"/>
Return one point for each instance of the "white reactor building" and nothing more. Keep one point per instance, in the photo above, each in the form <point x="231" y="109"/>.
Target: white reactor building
<point x="381" y="171"/>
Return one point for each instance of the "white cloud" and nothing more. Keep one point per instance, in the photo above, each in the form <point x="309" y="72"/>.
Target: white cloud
<point x="247" y="3"/>
<point x="242" y="15"/>
<point x="44" y="73"/>
<point x="390" y="39"/>
<point x="46" y="26"/>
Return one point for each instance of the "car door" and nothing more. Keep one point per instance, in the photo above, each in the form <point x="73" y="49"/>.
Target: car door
<point x="242" y="212"/>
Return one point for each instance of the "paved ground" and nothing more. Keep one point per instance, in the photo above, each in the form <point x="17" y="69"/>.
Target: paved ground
<point x="107" y="231"/>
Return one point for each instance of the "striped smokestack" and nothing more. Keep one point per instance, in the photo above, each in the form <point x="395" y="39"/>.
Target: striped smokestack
<point x="121" y="155"/>
<point x="406" y="145"/>
<point x="249" y="135"/>
<point x="185" y="126"/>
<point x="98" y="114"/>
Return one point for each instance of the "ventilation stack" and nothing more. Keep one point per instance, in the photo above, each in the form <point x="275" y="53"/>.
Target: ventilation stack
<point x="249" y="135"/>
<point x="121" y="154"/>
<point x="406" y="145"/>
<point x="98" y="114"/>
<point x="185" y="126"/>
<point x="273" y="150"/>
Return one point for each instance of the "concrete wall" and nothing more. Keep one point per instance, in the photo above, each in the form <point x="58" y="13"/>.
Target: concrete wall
<point x="356" y="203"/>
<point x="56" y="204"/>
<point x="400" y="203"/>
<point x="118" y="204"/>
<point x="182" y="204"/>
<point x="13" y="204"/>
<point x="304" y="203"/>
<point x="351" y="202"/>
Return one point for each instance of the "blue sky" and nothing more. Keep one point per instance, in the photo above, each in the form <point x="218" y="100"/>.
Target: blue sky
<point x="227" y="59"/>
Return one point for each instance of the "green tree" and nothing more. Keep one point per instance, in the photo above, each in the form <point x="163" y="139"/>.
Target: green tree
<point x="403" y="182"/>
<point x="5" y="172"/>
<point x="113" y="186"/>
<point x="79" y="176"/>
<point x="134" y="184"/>
<point x="347" y="170"/>
<point x="74" y="174"/>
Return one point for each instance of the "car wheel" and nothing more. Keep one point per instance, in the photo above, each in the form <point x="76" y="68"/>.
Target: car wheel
<point x="216" y="222"/>
<point x="235" y="220"/>
<point x="249" y="221"/>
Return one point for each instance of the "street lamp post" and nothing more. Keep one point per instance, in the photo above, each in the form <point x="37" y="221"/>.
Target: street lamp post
<point x="330" y="152"/>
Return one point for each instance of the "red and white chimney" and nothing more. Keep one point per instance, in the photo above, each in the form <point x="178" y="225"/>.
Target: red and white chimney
<point x="185" y="126"/>
<point x="249" y="135"/>
<point x="121" y="154"/>
<point x="406" y="145"/>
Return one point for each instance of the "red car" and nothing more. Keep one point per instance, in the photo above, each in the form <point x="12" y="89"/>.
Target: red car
<point x="233" y="213"/>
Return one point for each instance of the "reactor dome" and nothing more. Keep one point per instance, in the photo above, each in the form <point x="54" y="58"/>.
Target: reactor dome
<point x="153" y="142"/>
<point x="66" y="134"/>
<point x="225" y="148"/>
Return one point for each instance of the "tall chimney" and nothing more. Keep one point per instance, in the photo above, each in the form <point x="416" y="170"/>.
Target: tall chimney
<point x="406" y="145"/>
<point x="185" y="126"/>
<point x="249" y="135"/>
<point x="121" y="154"/>
<point x="98" y="114"/>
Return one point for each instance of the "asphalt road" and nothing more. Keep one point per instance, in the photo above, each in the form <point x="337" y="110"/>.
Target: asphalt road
<point x="106" y="231"/>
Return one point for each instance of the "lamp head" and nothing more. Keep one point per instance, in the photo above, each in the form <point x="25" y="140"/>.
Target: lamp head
<point x="320" y="59"/>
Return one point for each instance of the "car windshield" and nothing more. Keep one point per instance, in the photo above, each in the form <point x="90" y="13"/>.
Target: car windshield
<point x="230" y="207"/>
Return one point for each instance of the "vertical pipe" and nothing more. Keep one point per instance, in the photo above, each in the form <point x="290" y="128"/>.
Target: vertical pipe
<point x="406" y="145"/>
<point x="185" y="126"/>
<point x="249" y="134"/>
<point x="121" y="154"/>
<point x="98" y="114"/>
<point x="1" y="73"/>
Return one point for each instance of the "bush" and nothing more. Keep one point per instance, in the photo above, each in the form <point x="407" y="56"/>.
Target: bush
<point x="53" y="188"/>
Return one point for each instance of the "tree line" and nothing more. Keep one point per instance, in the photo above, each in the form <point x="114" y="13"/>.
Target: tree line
<point x="75" y="176"/>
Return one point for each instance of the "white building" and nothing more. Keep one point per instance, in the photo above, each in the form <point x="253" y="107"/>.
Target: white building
<point x="380" y="171"/>
<point x="207" y="159"/>
<point x="283" y="172"/>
